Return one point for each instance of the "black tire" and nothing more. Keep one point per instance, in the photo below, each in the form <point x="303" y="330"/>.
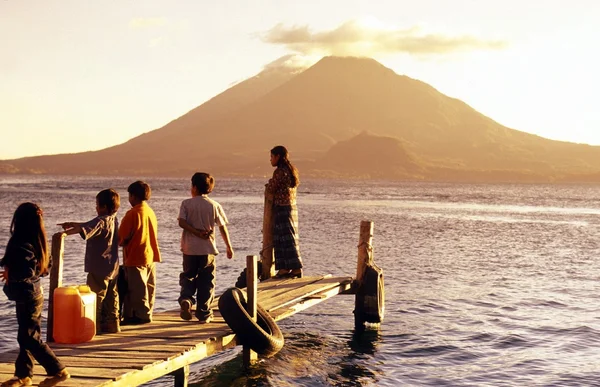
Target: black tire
<point x="370" y="297"/>
<point x="241" y="280"/>
<point x="263" y="336"/>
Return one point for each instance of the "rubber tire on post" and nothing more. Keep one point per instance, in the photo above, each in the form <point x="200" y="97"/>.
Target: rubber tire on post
<point x="241" y="280"/>
<point x="370" y="297"/>
<point x="262" y="336"/>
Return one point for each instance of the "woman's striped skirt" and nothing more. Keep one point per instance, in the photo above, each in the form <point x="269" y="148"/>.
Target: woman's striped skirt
<point x="286" y="239"/>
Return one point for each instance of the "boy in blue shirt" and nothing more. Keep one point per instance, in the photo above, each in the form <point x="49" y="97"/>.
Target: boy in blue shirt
<point x="102" y="258"/>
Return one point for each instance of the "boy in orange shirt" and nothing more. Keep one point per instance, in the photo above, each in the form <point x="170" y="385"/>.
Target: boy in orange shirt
<point x="138" y="234"/>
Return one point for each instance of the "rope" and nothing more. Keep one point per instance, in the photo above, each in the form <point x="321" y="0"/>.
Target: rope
<point x="264" y="249"/>
<point x="369" y="246"/>
<point x="369" y="249"/>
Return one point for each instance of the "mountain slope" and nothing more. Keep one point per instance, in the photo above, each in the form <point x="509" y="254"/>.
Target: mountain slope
<point x="316" y="111"/>
<point x="367" y="155"/>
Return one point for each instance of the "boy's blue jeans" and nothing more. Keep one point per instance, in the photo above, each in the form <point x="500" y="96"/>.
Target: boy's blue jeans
<point x="29" y="314"/>
<point x="198" y="278"/>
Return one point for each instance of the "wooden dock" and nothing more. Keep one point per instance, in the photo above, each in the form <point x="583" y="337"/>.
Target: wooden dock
<point x="168" y="345"/>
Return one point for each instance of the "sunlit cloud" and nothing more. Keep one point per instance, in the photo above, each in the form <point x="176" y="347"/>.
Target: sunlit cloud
<point x="159" y="31"/>
<point x="293" y="61"/>
<point x="371" y="38"/>
<point x="147" y="22"/>
<point x="157" y="41"/>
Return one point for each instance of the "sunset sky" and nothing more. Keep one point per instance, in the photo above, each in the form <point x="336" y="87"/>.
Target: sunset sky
<point x="83" y="75"/>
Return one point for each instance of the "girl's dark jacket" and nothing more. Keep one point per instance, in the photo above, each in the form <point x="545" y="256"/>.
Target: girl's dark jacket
<point x="23" y="272"/>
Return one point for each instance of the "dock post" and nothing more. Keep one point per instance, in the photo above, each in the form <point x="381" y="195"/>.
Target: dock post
<point x="182" y="376"/>
<point x="368" y="285"/>
<point x="365" y="249"/>
<point x="56" y="273"/>
<point x="267" y="253"/>
<point x="251" y="289"/>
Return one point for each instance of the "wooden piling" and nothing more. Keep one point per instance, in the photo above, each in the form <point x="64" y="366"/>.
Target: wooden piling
<point x="252" y="291"/>
<point x="267" y="253"/>
<point x="368" y="285"/>
<point x="365" y="250"/>
<point x="182" y="376"/>
<point x="56" y="274"/>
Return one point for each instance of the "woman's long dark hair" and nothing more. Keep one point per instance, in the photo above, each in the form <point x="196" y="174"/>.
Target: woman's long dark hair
<point x="284" y="162"/>
<point x="28" y="226"/>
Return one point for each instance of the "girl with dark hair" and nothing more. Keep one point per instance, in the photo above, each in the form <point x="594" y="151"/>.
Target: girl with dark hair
<point x="283" y="185"/>
<point x="25" y="261"/>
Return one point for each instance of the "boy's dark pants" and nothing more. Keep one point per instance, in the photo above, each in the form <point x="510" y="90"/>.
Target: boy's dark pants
<point x="107" y="298"/>
<point x="29" y="314"/>
<point x="141" y="292"/>
<point x="198" y="278"/>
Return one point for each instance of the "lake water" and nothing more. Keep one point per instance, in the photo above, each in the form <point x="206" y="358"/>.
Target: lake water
<point x="486" y="285"/>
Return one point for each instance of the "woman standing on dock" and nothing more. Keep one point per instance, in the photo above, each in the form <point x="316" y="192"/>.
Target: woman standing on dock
<point x="283" y="186"/>
<point x="25" y="261"/>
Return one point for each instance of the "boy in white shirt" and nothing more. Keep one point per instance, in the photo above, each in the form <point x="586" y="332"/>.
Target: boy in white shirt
<point x="198" y="217"/>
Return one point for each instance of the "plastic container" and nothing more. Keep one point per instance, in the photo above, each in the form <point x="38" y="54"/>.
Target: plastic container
<point x="74" y="314"/>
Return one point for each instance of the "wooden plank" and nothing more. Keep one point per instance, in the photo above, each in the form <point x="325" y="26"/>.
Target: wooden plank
<point x="149" y="356"/>
<point x="73" y="381"/>
<point x="125" y="342"/>
<point x="108" y="362"/>
<point x="279" y="299"/>
<point x="278" y="283"/>
<point x="181" y="331"/>
<point x="159" y="369"/>
<point x="285" y="312"/>
<point x="273" y="283"/>
<point x="155" y="345"/>
<point x="282" y="298"/>
<point x="283" y="287"/>
<point x="84" y="372"/>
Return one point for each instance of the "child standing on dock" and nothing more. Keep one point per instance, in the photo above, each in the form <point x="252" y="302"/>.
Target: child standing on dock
<point x="198" y="217"/>
<point x="138" y="234"/>
<point x="102" y="258"/>
<point x="26" y="260"/>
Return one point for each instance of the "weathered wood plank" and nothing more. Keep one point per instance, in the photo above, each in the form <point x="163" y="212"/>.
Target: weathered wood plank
<point x="72" y="382"/>
<point x="125" y="342"/>
<point x="278" y="299"/>
<point x="156" y="345"/>
<point x="84" y="372"/>
<point x="148" y="356"/>
<point x="159" y="369"/>
<point x="109" y="362"/>
<point x="281" y="313"/>
<point x="178" y="330"/>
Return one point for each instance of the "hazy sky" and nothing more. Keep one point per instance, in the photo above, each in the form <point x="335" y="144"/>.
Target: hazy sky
<point x="79" y="75"/>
